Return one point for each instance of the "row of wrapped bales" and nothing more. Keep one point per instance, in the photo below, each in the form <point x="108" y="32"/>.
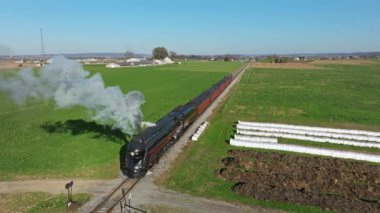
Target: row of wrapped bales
<point x="264" y="136"/>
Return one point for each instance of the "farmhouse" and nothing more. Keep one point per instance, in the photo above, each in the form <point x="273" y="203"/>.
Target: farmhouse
<point x="166" y="60"/>
<point x="132" y="60"/>
<point x="112" y="65"/>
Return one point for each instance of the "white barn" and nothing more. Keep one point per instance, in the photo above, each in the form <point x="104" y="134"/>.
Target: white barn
<point x="112" y="65"/>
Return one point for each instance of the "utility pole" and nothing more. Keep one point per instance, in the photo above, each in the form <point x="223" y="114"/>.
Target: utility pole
<point x="42" y="45"/>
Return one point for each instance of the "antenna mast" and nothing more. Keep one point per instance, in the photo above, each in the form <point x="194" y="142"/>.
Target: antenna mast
<point x="42" y="44"/>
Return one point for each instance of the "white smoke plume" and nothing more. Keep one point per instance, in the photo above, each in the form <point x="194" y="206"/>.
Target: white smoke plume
<point x="146" y="124"/>
<point x="5" y="50"/>
<point x="68" y="84"/>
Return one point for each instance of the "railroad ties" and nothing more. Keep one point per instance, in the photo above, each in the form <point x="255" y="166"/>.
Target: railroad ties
<point x="118" y="197"/>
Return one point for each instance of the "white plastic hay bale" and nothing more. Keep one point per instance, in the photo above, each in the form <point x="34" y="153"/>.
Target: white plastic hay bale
<point x="194" y="138"/>
<point x="308" y="150"/>
<point x="255" y="139"/>
<point x="309" y="128"/>
<point x="201" y="128"/>
<point x="308" y="138"/>
<point x="199" y="131"/>
<point x="311" y="133"/>
<point x="197" y="134"/>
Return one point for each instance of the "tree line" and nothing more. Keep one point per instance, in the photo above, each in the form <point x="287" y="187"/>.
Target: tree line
<point x="157" y="53"/>
<point x="161" y="53"/>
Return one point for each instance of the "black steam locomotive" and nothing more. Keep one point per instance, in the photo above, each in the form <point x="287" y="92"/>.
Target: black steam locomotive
<point x="146" y="148"/>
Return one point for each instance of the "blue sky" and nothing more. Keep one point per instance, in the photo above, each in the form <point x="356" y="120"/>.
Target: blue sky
<point x="191" y="27"/>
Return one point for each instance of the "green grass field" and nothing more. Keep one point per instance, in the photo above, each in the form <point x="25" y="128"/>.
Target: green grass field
<point x="345" y="96"/>
<point x="37" y="140"/>
<point x="33" y="202"/>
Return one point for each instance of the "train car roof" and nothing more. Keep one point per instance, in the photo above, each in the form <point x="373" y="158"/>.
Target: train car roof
<point x="146" y="133"/>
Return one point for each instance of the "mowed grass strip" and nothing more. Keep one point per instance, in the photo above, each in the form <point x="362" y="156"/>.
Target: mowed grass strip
<point x="40" y="141"/>
<point x="344" y="96"/>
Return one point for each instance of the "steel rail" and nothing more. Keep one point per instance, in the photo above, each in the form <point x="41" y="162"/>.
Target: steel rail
<point x="113" y="199"/>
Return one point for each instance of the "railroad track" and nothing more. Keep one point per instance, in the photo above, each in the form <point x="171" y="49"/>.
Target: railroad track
<point x="116" y="196"/>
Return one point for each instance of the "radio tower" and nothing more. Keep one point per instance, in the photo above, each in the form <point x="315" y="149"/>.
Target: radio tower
<point x="42" y="45"/>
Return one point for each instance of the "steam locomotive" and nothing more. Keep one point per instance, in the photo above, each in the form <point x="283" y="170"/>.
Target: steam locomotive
<point x="145" y="149"/>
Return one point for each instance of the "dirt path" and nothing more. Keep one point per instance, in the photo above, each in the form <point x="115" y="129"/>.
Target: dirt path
<point x="57" y="186"/>
<point x="149" y="196"/>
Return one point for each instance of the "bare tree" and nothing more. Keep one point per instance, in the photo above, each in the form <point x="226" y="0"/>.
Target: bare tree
<point x="173" y="54"/>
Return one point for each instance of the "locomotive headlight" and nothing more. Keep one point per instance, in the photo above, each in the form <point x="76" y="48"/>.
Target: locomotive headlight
<point x="136" y="152"/>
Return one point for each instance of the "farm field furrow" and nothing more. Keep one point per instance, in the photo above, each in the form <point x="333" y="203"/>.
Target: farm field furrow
<point x="326" y="182"/>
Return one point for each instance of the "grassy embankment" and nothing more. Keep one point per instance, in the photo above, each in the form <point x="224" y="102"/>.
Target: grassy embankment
<point x="40" y="141"/>
<point x="344" y="96"/>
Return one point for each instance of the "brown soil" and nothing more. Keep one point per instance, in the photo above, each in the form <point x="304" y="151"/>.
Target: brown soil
<point x="311" y="65"/>
<point x="328" y="183"/>
<point x="12" y="66"/>
<point x="343" y="61"/>
<point x="290" y="65"/>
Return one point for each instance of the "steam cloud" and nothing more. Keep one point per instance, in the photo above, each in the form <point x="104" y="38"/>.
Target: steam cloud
<point x="5" y="50"/>
<point x="68" y="84"/>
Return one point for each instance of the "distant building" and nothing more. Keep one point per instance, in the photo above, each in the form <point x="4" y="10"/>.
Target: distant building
<point x="112" y="65"/>
<point x="166" y="60"/>
<point x="50" y="61"/>
<point x="135" y="60"/>
<point x="133" y="64"/>
<point x="89" y="60"/>
<point x="156" y="61"/>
